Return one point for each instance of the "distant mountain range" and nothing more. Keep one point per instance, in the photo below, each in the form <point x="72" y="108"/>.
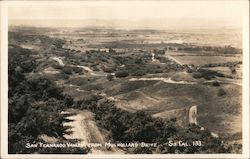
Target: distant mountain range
<point x="126" y="23"/>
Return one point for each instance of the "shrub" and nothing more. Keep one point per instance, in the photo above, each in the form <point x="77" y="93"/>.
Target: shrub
<point x="233" y="70"/>
<point x="56" y="66"/>
<point x="67" y="70"/>
<point x="216" y="83"/>
<point x="109" y="77"/>
<point x="189" y="70"/>
<point x="109" y="69"/>
<point x="209" y="74"/>
<point x="77" y="69"/>
<point x="154" y="69"/>
<point x="137" y="60"/>
<point x="221" y="92"/>
<point x="196" y="75"/>
<point x="158" y="70"/>
<point x="138" y="72"/>
<point x="121" y="73"/>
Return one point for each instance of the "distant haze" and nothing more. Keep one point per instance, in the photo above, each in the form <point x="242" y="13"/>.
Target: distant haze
<point x="133" y="14"/>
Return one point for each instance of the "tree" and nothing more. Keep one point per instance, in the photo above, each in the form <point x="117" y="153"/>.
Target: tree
<point x="110" y="77"/>
<point x="196" y="75"/>
<point x="221" y="92"/>
<point x="216" y="83"/>
<point x="121" y="73"/>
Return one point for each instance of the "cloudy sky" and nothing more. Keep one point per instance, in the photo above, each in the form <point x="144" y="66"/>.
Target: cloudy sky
<point x="160" y="14"/>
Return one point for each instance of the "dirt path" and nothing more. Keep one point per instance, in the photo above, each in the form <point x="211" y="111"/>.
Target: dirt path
<point x="173" y="59"/>
<point x="84" y="128"/>
<point x="166" y="80"/>
<point x="91" y="72"/>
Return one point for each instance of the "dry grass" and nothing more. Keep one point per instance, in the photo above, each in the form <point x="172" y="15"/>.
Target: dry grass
<point x="164" y="100"/>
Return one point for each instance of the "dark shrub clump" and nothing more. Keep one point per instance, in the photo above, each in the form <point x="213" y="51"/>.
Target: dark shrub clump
<point x="221" y="92"/>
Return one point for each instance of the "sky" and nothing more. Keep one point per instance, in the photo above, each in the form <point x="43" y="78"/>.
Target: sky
<point x="161" y="14"/>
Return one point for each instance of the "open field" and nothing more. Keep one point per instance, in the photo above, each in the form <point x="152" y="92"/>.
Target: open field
<point x="202" y="60"/>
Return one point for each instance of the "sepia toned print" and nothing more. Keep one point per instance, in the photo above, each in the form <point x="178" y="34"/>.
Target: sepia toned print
<point x="126" y="78"/>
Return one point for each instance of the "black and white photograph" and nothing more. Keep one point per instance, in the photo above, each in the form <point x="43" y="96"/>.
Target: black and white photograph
<point x="139" y="78"/>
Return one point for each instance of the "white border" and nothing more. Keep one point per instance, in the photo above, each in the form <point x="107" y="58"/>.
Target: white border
<point x="245" y="88"/>
<point x="4" y="83"/>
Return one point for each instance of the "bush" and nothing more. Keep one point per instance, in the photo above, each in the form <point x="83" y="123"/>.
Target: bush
<point x="77" y="69"/>
<point x="121" y="73"/>
<point x="154" y="69"/>
<point x="209" y="74"/>
<point x="216" y="83"/>
<point x="159" y="70"/>
<point x="56" y="66"/>
<point x="137" y="60"/>
<point x="109" y="77"/>
<point x="196" y="75"/>
<point x="233" y="70"/>
<point x="221" y="92"/>
<point x="67" y="70"/>
<point x="109" y="69"/>
<point x="138" y="72"/>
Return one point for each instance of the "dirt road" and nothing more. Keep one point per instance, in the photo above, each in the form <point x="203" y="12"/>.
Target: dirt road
<point x="84" y="128"/>
<point x="173" y="59"/>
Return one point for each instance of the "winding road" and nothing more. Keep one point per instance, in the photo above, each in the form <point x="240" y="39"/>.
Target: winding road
<point x="166" y="80"/>
<point x="61" y="63"/>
